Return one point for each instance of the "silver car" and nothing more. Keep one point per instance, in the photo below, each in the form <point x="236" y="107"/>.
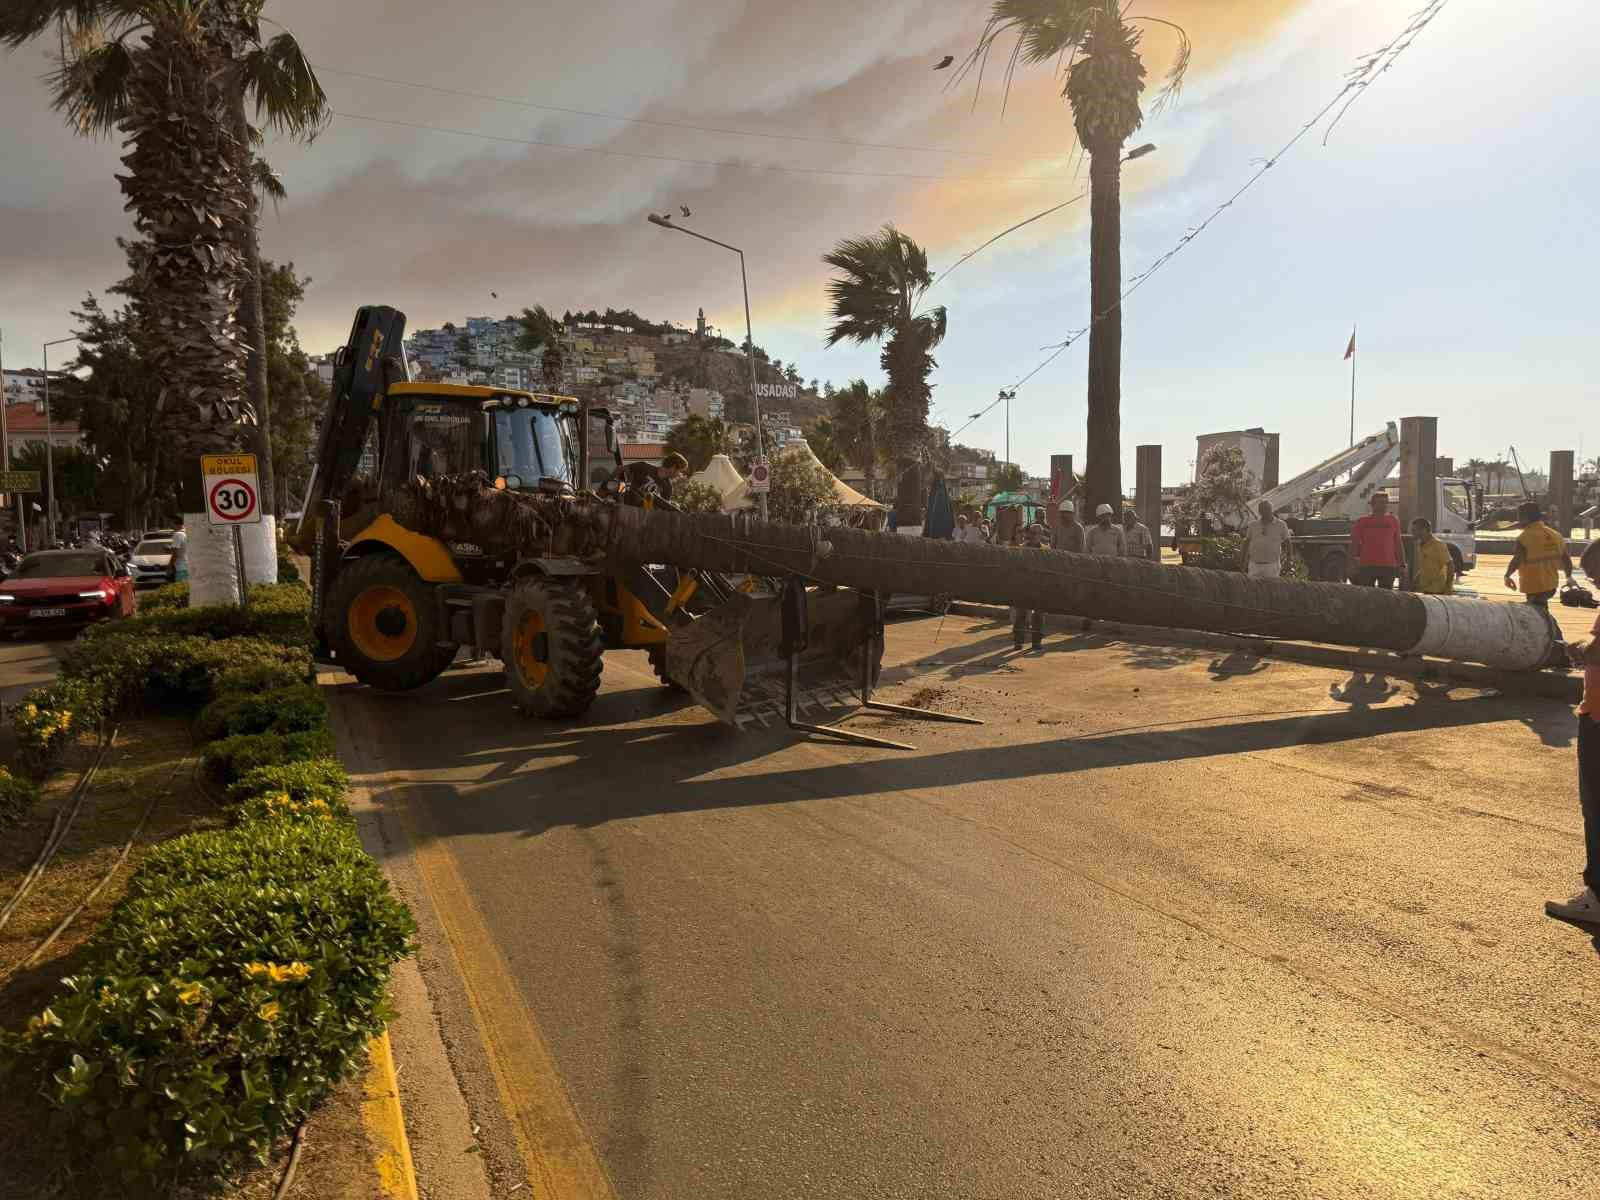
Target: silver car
<point x="151" y="563"/>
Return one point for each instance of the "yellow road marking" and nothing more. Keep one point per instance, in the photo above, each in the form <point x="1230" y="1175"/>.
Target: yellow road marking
<point x="386" y="1123"/>
<point x="560" y="1160"/>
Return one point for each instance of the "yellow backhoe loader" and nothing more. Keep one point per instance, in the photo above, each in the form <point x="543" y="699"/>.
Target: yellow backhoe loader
<point x="393" y="605"/>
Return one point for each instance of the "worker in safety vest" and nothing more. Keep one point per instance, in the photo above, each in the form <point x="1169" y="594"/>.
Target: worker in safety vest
<point x="1540" y="553"/>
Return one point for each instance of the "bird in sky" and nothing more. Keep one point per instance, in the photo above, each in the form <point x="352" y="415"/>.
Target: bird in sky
<point x="684" y="209"/>
<point x="496" y="295"/>
<point x="944" y="62"/>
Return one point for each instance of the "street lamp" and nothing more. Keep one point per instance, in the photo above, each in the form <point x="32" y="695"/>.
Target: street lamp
<point x="49" y="450"/>
<point x="1139" y="152"/>
<point x="665" y="222"/>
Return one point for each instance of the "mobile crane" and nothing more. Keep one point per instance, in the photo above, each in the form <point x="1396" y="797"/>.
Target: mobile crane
<point x="1319" y="515"/>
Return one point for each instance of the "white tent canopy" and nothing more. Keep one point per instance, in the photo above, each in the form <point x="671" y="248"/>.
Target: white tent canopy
<point x="719" y="474"/>
<point x="844" y="495"/>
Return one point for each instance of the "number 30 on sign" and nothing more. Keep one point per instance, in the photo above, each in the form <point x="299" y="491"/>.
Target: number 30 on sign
<point x="232" y="494"/>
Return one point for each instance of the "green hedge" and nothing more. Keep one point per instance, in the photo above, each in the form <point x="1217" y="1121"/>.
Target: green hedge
<point x="17" y="796"/>
<point x="231" y="989"/>
<point x="241" y="975"/>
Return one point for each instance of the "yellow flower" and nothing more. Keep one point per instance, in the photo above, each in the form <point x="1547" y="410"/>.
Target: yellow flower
<point x="30" y="710"/>
<point x="107" y="997"/>
<point x="292" y="973"/>
<point x="269" y="1011"/>
<point x="319" y="804"/>
<point x="45" y="1020"/>
<point x="257" y="970"/>
<point x="189" y="993"/>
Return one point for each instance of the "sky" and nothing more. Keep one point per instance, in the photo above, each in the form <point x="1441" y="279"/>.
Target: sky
<point x="1449" y="215"/>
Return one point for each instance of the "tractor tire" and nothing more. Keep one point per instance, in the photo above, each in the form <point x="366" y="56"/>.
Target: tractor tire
<point x="658" y="664"/>
<point x="383" y="624"/>
<point x="551" y="645"/>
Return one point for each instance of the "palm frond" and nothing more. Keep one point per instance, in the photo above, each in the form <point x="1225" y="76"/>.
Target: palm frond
<point x="289" y="98"/>
<point x="91" y="87"/>
<point x="539" y="329"/>
<point x="267" y="183"/>
<point x="1180" y="64"/>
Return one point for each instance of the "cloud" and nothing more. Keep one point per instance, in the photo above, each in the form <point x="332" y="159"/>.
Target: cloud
<point x="434" y="221"/>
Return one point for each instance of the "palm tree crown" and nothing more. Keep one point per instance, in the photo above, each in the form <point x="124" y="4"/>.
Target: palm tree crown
<point x="875" y="296"/>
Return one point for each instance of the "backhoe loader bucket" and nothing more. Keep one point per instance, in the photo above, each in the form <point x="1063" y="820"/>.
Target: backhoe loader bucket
<point x="734" y="659"/>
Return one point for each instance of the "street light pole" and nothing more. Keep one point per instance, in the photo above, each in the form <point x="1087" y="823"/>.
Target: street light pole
<point x="749" y="337"/>
<point x="49" y="448"/>
<point x="5" y="439"/>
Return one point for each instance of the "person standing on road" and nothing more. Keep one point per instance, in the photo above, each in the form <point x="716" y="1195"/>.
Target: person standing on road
<point x="1265" y="538"/>
<point x="1585" y="906"/>
<point x="1068" y="535"/>
<point x="1375" y="546"/>
<point x="968" y="531"/>
<point x="1105" y="536"/>
<point x="1436" y="571"/>
<point x="1137" y="535"/>
<point x="180" y="556"/>
<point x="1540" y="552"/>
<point x="1033" y="538"/>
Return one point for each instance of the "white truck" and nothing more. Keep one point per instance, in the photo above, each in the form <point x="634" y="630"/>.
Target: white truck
<point x="1320" y="513"/>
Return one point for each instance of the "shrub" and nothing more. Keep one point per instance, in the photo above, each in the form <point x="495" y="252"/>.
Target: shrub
<point x="287" y="571"/>
<point x="46" y="719"/>
<point x="140" y="671"/>
<point x="229" y="991"/>
<point x="232" y="757"/>
<point x="263" y="677"/>
<point x="297" y="708"/>
<point x="316" y="779"/>
<point x="17" y="797"/>
<point x="164" y="599"/>
<point x="277" y="611"/>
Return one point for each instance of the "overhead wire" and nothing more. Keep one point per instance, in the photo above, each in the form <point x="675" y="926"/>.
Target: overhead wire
<point x="1356" y="82"/>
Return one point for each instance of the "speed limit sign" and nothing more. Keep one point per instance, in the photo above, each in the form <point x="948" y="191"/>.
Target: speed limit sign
<point x="232" y="495"/>
<point x="760" y="476"/>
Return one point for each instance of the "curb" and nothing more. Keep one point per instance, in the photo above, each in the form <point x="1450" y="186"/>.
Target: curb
<point x="386" y="1123"/>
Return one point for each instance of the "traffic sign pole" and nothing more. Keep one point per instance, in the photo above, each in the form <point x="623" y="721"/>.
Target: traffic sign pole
<point x="238" y="558"/>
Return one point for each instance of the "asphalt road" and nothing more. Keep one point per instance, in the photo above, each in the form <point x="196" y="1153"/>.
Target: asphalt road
<point x="1166" y="926"/>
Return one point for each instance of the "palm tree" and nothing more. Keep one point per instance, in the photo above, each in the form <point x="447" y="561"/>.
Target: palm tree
<point x="1474" y="468"/>
<point x="874" y="298"/>
<point x="166" y="74"/>
<point x="1098" y="43"/>
<point x="859" y="420"/>
<point x="103" y="43"/>
<point x="541" y="330"/>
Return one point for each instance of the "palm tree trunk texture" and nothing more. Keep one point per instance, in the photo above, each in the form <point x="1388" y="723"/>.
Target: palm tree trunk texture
<point x="252" y="321"/>
<point x="1119" y="589"/>
<point x="1103" y="443"/>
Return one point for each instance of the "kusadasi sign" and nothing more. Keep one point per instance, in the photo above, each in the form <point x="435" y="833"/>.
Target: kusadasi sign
<point x="777" y="391"/>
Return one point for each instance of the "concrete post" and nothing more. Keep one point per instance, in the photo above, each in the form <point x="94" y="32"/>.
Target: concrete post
<point x="1419" y="492"/>
<point x="1561" y="514"/>
<point x="1147" y="487"/>
<point x="1444" y="468"/>
<point x="1269" y="468"/>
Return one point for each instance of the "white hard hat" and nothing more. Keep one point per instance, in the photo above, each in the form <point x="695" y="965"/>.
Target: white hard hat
<point x="1067" y="506"/>
<point x="1103" y="511"/>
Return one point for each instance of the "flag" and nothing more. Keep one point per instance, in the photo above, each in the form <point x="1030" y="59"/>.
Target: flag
<point x="1350" y="350"/>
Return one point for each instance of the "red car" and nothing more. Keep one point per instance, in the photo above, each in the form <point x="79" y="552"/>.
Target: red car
<point x="64" y="589"/>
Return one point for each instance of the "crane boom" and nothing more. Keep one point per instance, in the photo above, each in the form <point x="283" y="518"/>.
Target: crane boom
<point x="1370" y="460"/>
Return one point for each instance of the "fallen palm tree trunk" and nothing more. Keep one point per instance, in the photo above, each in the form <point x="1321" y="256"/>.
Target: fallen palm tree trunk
<point x="1509" y="636"/>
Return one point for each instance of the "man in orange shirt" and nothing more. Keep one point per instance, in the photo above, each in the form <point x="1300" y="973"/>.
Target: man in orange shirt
<point x="1375" y="546"/>
<point x="1585" y="906"/>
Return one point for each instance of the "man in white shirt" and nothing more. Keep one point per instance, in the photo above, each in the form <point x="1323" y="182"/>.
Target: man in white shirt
<point x="1140" y="543"/>
<point x="1105" y="536"/>
<point x="968" y="531"/>
<point x="1265" y="537"/>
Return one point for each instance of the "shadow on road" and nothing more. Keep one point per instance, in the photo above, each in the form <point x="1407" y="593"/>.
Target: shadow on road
<point x="637" y="755"/>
